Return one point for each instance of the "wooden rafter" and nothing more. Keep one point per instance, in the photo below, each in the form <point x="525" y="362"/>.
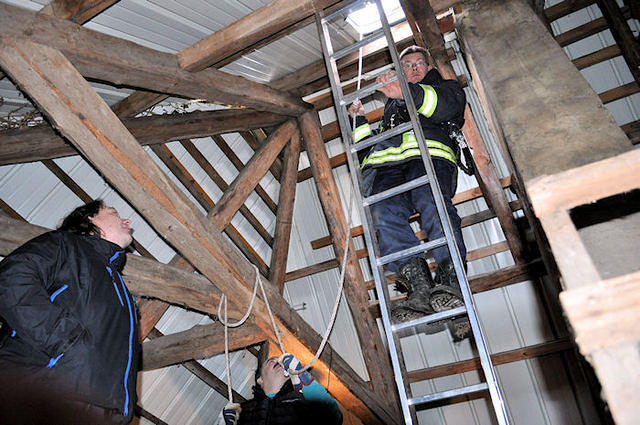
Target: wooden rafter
<point x="106" y="142"/>
<point x="246" y="31"/>
<point x="248" y="179"/>
<point x="239" y="165"/>
<point x="42" y="142"/>
<point x="629" y="46"/>
<point x="284" y="218"/>
<point x="379" y="367"/>
<point x="76" y="11"/>
<point x="201" y="341"/>
<point x="121" y="62"/>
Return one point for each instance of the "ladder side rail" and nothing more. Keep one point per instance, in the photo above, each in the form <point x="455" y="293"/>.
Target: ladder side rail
<point x="372" y="247"/>
<point x="485" y="358"/>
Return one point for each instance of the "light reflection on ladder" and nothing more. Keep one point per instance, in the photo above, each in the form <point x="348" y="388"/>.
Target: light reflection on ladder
<point x="394" y="332"/>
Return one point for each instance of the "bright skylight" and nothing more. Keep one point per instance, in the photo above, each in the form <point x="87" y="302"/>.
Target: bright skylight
<point x="366" y="20"/>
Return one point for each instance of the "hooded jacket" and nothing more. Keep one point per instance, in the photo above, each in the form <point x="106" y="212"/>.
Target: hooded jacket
<point x="70" y="322"/>
<point x="437" y="102"/>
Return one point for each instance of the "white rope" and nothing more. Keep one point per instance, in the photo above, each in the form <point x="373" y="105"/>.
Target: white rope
<point x="258" y="282"/>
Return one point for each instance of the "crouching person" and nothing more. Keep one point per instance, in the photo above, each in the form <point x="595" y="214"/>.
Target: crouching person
<point x="282" y="397"/>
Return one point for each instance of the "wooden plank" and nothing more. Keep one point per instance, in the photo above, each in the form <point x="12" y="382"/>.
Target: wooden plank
<point x="575" y="263"/>
<point x="620" y="92"/>
<point x="284" y="218"/>
<point x="119" y="157"/>
<point x="248" y="178"/>
<point x="596" y="57"/>
<point x="142" y="413"/>
<point x="581" y="185"/>
<point x="120" y="62"/>
<point x="511" y="356"/>
<point x="76" y="11"/>
<point x="622" y="34"/>
<point x="248" y="30"/>
<point x="604" y="314"/>
<point x="237" y="162"/>
<point x="136" y="102"/>
<point x="42" y="142"/>
<point x="199" y="342"/>
<point x="150" y="312"/>
<point x="566" y="7"/>
<point x="582" y="31"/>
<point x="632" y="130"/>
<point x="379" y="367"/>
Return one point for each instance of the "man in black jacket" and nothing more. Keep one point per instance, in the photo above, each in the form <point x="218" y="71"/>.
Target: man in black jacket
<point x="397" y="160"/>
<point x="284" y="398"/>
<point x="69" y="351"/>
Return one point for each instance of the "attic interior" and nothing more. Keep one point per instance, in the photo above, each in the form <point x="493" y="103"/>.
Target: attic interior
<point x="216" y="118"/>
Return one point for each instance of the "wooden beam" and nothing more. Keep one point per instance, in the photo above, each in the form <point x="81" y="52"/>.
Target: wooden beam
<point x="566" y="7"/>
<point x="252" y="140"/>
<point x="83" y="117"/>
<point x="76" y="11"/>
<point x="239" y="165"/>
<point x="596" y="57"/>
<point x="248" y="30"/>
<point x="511" y="356"/>
<point x="142" y="413"/>
<point x="619" y="27"/>
<point x="106" y="58"/>
<point x="223" y="186"/>
<point x="632" y="130"/>
<point x="250" y="175"/>
<point x="42" y="142"/>
<point x="201" y="196"/>
<point x="199" y="342"/>
<point x="379" y="367"/>
<point x="284" y="218"/>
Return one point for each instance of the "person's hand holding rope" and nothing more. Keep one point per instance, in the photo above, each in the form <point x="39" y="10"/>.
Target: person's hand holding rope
<point x="293" y="368"/>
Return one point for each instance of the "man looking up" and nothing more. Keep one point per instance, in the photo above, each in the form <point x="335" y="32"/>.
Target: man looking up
<point x="69" y="347"/>
<point x="397" y="160"/>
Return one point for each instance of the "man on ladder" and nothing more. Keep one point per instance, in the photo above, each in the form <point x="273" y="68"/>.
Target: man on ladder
<point x="440" y="103"/>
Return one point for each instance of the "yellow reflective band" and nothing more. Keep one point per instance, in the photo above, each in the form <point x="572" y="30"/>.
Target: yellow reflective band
<point x="429" y="102"/>
<point x="407" y="149"/>
<point x="361" y="132"/>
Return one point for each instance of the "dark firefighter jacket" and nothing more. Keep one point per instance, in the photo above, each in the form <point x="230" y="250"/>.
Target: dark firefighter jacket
<point x="287" y="407"/>
<point x="437" y="101"/>
<point x="70" y="322"/>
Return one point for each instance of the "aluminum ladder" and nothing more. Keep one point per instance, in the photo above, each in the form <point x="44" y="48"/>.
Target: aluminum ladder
<point x="395" y="331"/>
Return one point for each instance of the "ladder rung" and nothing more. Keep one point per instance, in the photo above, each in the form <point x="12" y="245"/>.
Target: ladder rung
<point x="362" y="93"/>
<point x="448" y="394"/>
<point x="343" y="10"/>
<point x="404" y="187"/>
<point x="411" y="251"/>
<point x="432" y="318"/>
<point x="380" y="137"/>
<point x="352" y="48"/>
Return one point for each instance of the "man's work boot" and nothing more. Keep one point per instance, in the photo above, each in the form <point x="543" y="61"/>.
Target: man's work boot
<point x="416" y="276"/>
<point x="401" y="312"/>
<point x="446" y="293"/>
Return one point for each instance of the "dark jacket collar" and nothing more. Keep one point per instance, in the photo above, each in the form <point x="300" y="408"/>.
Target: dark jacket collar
<point x="111" y="252"/>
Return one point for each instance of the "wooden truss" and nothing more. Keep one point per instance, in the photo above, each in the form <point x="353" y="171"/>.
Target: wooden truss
<point x="49" y="55"/>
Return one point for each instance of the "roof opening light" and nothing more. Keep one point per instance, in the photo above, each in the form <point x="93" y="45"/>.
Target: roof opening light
<point x="365" y="20"/>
